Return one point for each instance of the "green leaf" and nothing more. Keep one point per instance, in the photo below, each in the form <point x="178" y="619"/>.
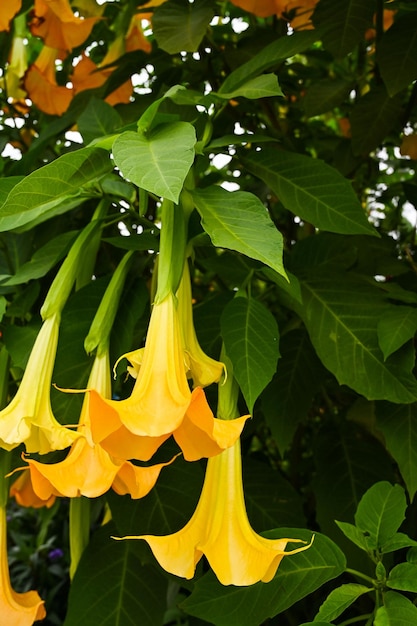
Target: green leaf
<point x="251" y="338"/>
<point x="98" y="119"/>
<point x="180" y="26"/>
<point x="147" y="240"/>
<point x="270" y="499"/>
<point x="398" y="542"/>
<point x="297" y="576"/>
<point x="43" y="259"/>
<point x="353" y="534"/>
<point x="403" y="577"/>
<point x="268" y="58"/>
<point x="19" y="341"/>
<point x="288" y="397"/>
<point x="6" y="185"/>
<point x="229" y="218"/>
<point x="397" y="53"/>
<point x="381" y="512"/>
<point x="342" y="328"/>
<point x="397" y="611"/>
<point x="112" y="588"/>
<point x="399" y="427"/>
<point x="344" y="23"/>
<point x="54" y="188"/>
<point x="396" y="327"/>
<point x="324" y="95"/>
<point x="258" y="87"/>
<point x="339" y="600"/>
<point x="311" y="189"/>
<point x="158" y="161"/>
<point x="347" y="463"/>
<point x="372" y="118"/>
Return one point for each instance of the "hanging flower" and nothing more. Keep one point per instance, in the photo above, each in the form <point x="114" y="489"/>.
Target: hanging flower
<point x="301" y="9"/>
<point x="41" y="86"/>
<point x="16" y="609"/>
<point x="89" y="470"/>
<point x="200" y="434"/>
<point x="55" y="23"/>
<point x="161" y="394"/>
<point x="28" y="418"/>
<point x="135" y="39"/>
<point x="16" y="69"/>
<point x="7" y="12"/>
<point x="22" y="491"/>
<point x="220" y="530"/>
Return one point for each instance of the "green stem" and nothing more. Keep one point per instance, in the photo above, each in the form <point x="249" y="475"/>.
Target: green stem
<point x="355" y="620"/>
<point x="171" y="249"/>
<point x="357" y="574"/>
<point x="79" y="530"/>
<point x="227" y="408"/>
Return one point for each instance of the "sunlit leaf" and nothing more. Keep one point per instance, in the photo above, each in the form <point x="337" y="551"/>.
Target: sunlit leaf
<point x="311" y="189"/>
<point x="229" y="218"/>
<point x="158" y="162"/>
<point x="339" y="600"/>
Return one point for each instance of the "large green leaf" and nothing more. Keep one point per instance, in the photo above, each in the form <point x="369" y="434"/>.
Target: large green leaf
<point x="397" y="53"/>
<point x="399" y="427"/>
<point x="180" y="26"/>
<point x="344" y="23"/>
<point x="271" y="56"/>
<point x="258" y="87"/>
<point x="324" y="95"/>
<point x="288" y="397"/>
<point x="403" y="577"/>
<point x="270" y="499"/>
<point x="339" y="600"/>
<point x="347" y="464"/>
<point x="397" y="611"/>
<point x="98" y="120"/>
<point x="297" y="576"/>
<point x="396" y="327"/>
<point x="158" y="161"/>
<point x="112" y="588"/>
<point x="373" y="117"/>
<point x="311" y="189"/>
<point x="43" y="259"/>
<point x="55" y="188"/>
<point x="381" y="512"/>
<point x="251" y="338"/>
<point x="229" y="218"/>
<point x="341" y="313"/>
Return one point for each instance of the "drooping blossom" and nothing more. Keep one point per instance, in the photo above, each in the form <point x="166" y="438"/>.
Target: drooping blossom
<point x="88" y="470"/>
<point x="220" y="530"/>
<point x="41" y="86"/>
<point x="28" y="418"/>
<point x="16" y="609"/>
<point x="7" y="12"/>
<point x="55" y="23"/>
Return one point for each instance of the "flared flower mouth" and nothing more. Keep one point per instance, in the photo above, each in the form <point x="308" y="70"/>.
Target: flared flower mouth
<point x="28" y="418"/>
<point x="17" y="609"/>
<point x="220" y="530"/>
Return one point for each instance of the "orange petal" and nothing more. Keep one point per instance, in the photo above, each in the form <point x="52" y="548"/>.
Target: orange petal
<point x="203" y="435"/>
<point x="138" y="481"/>
<point x="7" y="13"/>
<point x="56" y="24"/>
<point x="24" y="494"/>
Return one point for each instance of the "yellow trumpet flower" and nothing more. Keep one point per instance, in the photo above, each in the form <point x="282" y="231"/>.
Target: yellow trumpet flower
<point x="17" y="609"/>
<point x="161" y="394"/>
<point x="28" y="418"/>
<point x="220" y="530"/>
<point x="89" y="470"/>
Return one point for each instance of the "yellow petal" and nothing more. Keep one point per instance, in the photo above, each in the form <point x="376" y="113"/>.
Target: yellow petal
<point x="203" y="435"/>
<point x="161" y="393"/>
<point x="22" y="490"/>
<point x="203" y="369"/>
<point x="28" y="418"/>
<point x="220" y="529"/>
<point x="16" y="609"/>
<point x="138" y="481"/>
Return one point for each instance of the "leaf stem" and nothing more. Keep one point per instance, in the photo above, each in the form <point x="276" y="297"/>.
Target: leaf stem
<point x="354" y="572"/>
